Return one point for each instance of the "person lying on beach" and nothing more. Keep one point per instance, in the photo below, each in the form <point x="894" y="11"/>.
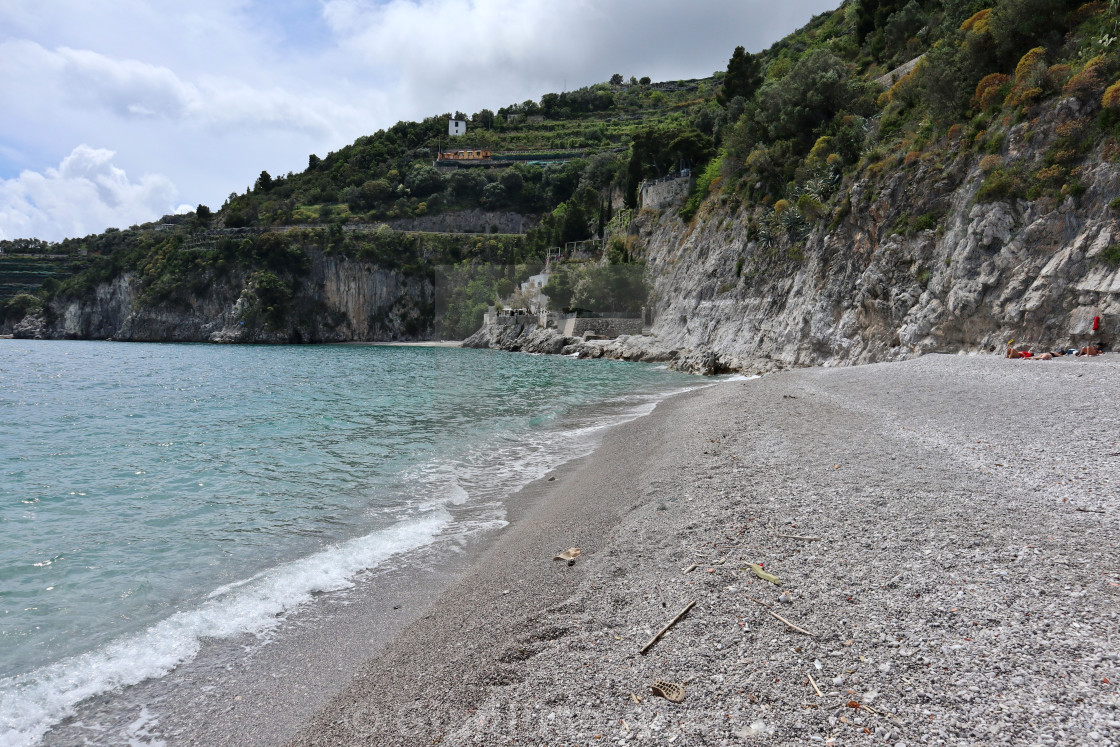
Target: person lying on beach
<point x="1090" y="350"/>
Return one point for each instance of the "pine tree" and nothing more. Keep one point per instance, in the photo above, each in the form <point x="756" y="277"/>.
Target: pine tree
<point x="744" y="76"/>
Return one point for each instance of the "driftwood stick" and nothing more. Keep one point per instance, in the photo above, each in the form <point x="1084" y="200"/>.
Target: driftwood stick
<point x="779" y="617"/>
<point x="1090" y="511"/>
<point x="668" y="625"/>
<point x="692" y="568"/>
<point x="799" y="537"/>
<point x="814" y="684"/>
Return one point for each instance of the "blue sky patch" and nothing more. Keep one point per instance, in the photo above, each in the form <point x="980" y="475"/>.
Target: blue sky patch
<point x="298" y="24"/>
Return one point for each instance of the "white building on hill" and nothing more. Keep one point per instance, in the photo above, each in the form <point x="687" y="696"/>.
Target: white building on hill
<point x="531" y="291"/>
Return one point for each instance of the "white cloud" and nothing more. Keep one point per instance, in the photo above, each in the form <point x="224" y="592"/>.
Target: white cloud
<point x="437" y="55"/>
<point x="85" y="194"/>
<point x="213" y="91"/>
<point x="130" y="89"/>
<point x="126" y="87"/>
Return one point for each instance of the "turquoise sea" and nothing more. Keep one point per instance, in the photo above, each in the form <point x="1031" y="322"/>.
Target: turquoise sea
<point x="153" y="495"/>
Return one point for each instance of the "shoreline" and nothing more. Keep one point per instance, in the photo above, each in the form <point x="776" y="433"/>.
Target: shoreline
<point x="963" y="588"/>
<point x="259" y="689"/>
<point x="421" y="344"/>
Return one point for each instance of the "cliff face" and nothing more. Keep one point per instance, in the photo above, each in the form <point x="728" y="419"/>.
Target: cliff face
<point x="859" y="287"/>
<point x="1032" y="271"/>
<point x="338" y="300"/>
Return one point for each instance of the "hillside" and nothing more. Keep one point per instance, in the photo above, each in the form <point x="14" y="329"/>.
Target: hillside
<point x="836" y="212"/>
<point x="379" y="206"/>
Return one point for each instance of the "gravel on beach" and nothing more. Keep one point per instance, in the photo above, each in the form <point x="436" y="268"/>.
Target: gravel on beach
<point x="945" y="530"/>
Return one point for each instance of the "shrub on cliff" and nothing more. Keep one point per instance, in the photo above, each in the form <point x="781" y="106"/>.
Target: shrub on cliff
<point x="1111" y="98"/>
<point x="1090" y="81"/>
<point x="17" y="307"/>
<point x="991" y="91"/>
<point x="273" y="297"/>
<point x="816" y="90"/>
<point x="1001" y="184"/>
<point x="280" y="254"/>
<point x="701" y="188"/>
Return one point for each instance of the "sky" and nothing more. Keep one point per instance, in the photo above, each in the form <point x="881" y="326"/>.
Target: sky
<point x="118" y="112"/>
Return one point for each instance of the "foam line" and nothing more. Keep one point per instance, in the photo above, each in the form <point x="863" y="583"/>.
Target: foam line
<point x="31" y="703"/>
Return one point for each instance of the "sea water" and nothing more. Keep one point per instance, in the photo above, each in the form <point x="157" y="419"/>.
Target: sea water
<point x="154" y="495"/>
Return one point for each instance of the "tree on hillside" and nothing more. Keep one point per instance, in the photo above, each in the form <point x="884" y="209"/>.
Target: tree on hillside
<point x="1018" y="25"/>
<point x="744" y="76"/>
<point x="816" y="89"/>
<point x="692" y="146"/>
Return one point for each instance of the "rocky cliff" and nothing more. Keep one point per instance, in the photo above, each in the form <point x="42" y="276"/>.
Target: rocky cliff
<point x="913" y="253"/>
<point x="337" y="300"/>
<point x="869" y="283"/>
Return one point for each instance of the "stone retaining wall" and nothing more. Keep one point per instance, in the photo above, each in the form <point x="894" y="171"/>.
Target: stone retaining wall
<point x="663" y="194"/>
<point x="468" y="221"/>
<point x="606" y="326"/>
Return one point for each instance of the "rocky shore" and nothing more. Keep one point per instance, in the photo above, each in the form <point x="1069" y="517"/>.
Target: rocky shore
<point x="944" y="530"/>
<point x="532" y="338"/>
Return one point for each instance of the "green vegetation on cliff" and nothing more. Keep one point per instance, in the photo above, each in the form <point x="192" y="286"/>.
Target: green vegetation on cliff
<point x="967" y="74"/>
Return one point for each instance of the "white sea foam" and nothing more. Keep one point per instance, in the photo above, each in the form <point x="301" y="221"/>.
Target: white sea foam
<point x="31" y="703"/>
<point x="491" y="471"/>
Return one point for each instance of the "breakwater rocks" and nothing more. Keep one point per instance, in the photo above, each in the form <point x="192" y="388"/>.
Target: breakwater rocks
<point x="532" y="338"/>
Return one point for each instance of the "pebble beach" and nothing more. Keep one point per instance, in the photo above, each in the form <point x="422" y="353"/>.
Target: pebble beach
<point x="944" y="531"/>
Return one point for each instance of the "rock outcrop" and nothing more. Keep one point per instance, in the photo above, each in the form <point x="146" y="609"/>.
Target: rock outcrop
<point x="337" y="300"/>
<point x="863" y="288"/>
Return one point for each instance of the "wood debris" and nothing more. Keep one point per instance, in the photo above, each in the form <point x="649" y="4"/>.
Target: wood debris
<point x="779" y="617"/>
<point x="668" y="625"/>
